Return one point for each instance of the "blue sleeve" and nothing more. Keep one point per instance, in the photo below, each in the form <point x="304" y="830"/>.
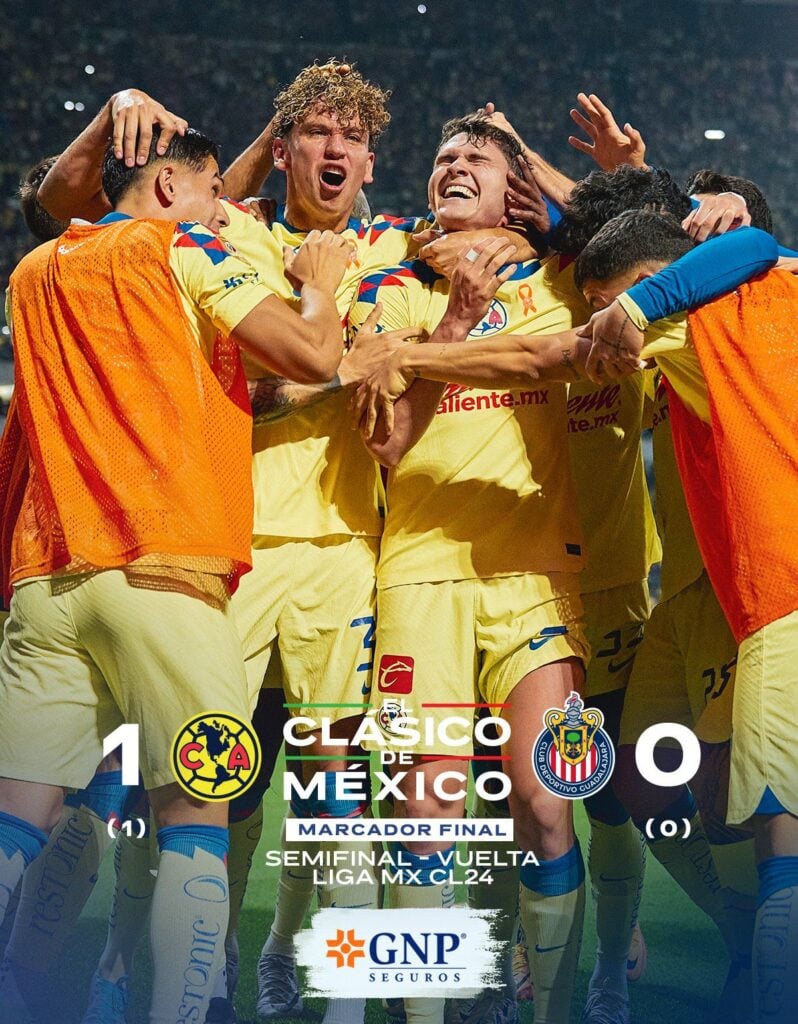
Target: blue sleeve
<point x="784" y="251"/>
<point x="706" y="272"/>
<point x="555" y="213"/>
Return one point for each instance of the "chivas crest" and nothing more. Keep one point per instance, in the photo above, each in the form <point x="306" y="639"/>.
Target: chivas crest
<point x="573" y="756"/>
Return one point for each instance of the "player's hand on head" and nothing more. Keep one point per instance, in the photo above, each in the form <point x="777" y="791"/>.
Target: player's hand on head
<point x="133" y="114"/>
<point x="499" y="119"/>
<point x="333" y="65"/>
<point x="616" y="345"/>
<point x="716" y="215"/>
<point x="371" y="347"/>
<point x="480" y="271"/>
<point x="609" y="145"/>
<point x="320" y="261"/>
<point x="525" y="201"/>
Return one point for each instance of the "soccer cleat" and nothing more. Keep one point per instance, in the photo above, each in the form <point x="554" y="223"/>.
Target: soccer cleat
<point x="521" y="976"/>
<point x="394" y="1010"/>
<point x="604" y="1006"/>
<point x="637" y="957"/>
<point x="278" y="987"/>
<point x="489" y="1007"/>
<point x="220" y="1011"/>
<point x="107" y="1001"/>
<point x="736" y="1002"/>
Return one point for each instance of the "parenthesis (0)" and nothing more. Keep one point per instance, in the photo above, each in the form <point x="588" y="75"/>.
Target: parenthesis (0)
<point x="649" y="828"/>
<point x="686" y="823"/>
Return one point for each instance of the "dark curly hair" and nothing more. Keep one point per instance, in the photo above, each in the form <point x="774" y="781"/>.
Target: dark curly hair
<point x="603" y="195"/>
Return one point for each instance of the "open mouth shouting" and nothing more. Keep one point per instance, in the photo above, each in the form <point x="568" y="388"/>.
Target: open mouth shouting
<point x="332" y="180"/>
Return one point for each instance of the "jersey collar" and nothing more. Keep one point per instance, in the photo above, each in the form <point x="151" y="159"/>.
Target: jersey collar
<point x="353" y="223"/>
<point x="112" y="218"/>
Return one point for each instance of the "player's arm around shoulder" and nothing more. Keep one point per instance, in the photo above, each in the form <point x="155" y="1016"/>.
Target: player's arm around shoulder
<point x="394" y="408"/>
<point x="304" y="346"/>
<point x="275" y="398"/>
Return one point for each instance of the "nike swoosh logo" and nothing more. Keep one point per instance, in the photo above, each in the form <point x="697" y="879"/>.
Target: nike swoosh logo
<point x="546" y="634"/>
<point x="132" y="896"/>
<point x="549" y="949"/>
<point x="616" y="666"/>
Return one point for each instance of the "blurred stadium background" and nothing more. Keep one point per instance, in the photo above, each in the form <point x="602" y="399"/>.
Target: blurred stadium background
<point x="675" y="70"/>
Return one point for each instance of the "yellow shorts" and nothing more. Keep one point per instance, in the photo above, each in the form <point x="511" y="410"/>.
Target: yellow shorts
<point x="314" y="599"/>
<point x="764" y="753"/>
<point x="469" y="641"/>
<point x="614" y="623"/>
<point x="684" y="669"/>
<point x="86" y="653"/>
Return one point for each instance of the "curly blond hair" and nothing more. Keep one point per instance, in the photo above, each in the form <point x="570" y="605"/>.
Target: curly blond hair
<point x="334" y="87"/>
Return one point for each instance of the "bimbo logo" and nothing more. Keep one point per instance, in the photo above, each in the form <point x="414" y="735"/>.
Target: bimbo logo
<point x="573" y="756"/>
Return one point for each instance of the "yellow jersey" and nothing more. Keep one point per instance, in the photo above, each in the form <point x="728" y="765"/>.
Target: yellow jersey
<point x="668" y="342"/>
<point x="604" y="426"/>
<point x="681" y="559"/>
<point x="487" y="491"/>
<point x="312" y="476"/>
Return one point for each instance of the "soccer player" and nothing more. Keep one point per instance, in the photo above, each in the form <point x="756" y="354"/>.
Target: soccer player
<point x="520" y="361"/>
<point x="319" y="613"/>
<point x="684" y="673"/>
<point x="110" y="542"/>
<point x="604" y="426"/>
<point x="478" y="574"/>
<point x="729" y="364"/>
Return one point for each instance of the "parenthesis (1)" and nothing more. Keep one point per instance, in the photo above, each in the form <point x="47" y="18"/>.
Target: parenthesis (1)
<point x="142" y="828"/>
<point x="649" y="829"/>
<point x="686" y="823"/>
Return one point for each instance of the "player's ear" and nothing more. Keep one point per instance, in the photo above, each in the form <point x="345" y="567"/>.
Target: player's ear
<point x="368" y="177"/>
<point x="165" y="185"/>
<point x="280" y="151"/>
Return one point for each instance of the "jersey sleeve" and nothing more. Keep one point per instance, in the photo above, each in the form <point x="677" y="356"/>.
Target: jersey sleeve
<point x="387" y="241"/>
<point x="705" y="273"/>
<point x="223" y="285"/>
<point x="404" y="300"/>
<point x="252" y="240"/>
<point x="666" y="336"/>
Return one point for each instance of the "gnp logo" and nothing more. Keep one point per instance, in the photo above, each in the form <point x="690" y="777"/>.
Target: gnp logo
<point x="395" y="673"/>
<point x="398" y="952"/>
<point x="494" y="321"/>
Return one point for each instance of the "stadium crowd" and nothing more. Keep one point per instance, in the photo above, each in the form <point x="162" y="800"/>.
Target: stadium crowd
<point x="671" y="85"/>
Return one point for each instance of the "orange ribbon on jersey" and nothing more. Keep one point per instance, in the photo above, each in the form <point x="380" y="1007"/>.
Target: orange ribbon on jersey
<point x="525" y="295"/>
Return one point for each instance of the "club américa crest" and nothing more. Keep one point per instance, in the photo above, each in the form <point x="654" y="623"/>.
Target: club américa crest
<point x="573" y="756"/>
